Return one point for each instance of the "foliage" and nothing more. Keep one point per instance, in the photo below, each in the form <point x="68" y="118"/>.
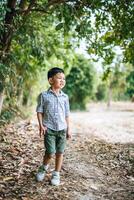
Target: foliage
<point x="130" y="84"/>
<point x="34" y="34"/>
<point x="113" y="26"/>
<point x="80" y="82"/>
<point x="113" y="22"/>
<point x="101" y="92"/>
<point x="31" y="54"/>
<point x="114" y="80"/>
<point x="9" y="113"/>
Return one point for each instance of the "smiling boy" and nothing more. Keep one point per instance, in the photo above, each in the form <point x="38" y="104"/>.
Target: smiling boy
<point x="53" y="117"/>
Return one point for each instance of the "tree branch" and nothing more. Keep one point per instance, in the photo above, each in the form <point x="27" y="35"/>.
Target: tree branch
<point x="5" y="39"/>
<point x="11" y="11"/>
<point x="54" y="2"/>
<point x="49" y="4"/>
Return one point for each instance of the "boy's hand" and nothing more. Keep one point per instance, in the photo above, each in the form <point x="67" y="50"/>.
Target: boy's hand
<point x="42" y="130"/>
<point x="69" y="135"/>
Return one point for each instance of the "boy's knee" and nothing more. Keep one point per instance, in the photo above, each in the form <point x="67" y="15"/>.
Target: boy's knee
<point x="50" y="156"/>
<point x="59" y="155"/>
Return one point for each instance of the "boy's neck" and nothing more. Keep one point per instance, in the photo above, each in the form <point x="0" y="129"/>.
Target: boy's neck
<point x="55" y="90"/>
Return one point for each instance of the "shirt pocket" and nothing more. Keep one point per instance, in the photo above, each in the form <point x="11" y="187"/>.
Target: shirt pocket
<point x="61" y="106"/>
<point x="49" y="106"/>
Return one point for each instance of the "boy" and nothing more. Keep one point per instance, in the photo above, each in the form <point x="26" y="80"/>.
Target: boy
<point x="53" y="117"/>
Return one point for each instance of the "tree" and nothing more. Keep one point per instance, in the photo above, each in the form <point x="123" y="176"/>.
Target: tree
<point x="30" y="54"/>
<point x="115" y="80"/>
<point x="113" y="25"/>
<point x="101" y="92"/>
<point x="80" y="82"/>
<point x="130" y="85"/>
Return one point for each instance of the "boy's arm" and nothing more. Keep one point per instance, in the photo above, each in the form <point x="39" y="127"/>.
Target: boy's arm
<point x="69" y="135"/>
<point x="40" y="114"/>
<point x="42" y="128"/>
<point x="67" y="113"/>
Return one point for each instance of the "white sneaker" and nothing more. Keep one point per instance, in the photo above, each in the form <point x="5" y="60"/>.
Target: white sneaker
<point x="55" y="178"/>
<point x="41" y="173"/>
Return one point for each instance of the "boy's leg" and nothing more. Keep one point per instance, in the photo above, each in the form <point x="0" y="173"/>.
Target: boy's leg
<point x="60" y="146"/>
<point x="47" y="158"/>
<point x="58" y="161"/>
<point x="56" y="174"/>
<point x="43" y="168"/>
<point x="49" y="142"/>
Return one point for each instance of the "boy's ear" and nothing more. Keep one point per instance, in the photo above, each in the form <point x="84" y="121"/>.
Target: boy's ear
<point x="50" y="80"/>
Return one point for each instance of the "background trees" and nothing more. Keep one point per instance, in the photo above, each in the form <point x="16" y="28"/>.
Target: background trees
<point x="80" y="82"/>
<point x="34" y="35"/>
<point x="130" y="85"/>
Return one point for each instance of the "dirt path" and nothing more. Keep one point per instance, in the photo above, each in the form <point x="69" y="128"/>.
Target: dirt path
<point x="94" y="169"/>
<point x="115" y="125"/>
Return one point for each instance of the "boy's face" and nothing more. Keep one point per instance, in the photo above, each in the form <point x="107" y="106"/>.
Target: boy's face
<point x="58" y="81"/>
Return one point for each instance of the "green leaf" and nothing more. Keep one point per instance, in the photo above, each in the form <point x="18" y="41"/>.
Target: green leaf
<point x="59" y="26"/>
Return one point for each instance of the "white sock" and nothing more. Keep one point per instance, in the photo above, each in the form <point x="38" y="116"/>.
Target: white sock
<point x="56" y="173"/>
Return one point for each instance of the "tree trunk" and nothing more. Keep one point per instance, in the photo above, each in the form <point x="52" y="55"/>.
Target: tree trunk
<point x="5" y="39"/>
<point x="109" y="97"/>
<point x="1" y="100"/>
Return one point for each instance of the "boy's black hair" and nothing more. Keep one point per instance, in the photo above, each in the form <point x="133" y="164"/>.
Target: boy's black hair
<point x="53" y="71"/>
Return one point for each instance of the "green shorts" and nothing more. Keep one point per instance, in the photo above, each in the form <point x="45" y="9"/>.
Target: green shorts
<point x="55" y="141"/>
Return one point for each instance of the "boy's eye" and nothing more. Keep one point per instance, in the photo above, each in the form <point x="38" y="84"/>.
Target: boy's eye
<point x="61" y="78"/>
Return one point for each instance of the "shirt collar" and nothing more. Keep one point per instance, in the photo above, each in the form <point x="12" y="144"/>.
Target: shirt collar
<point x="51" y="91"/>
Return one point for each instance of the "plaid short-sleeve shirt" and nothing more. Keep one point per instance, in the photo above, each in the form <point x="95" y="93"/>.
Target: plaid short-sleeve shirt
<point x="55" y="109"/>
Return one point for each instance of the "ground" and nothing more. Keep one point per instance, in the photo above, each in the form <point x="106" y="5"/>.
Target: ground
<point x="98" y="162"/>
